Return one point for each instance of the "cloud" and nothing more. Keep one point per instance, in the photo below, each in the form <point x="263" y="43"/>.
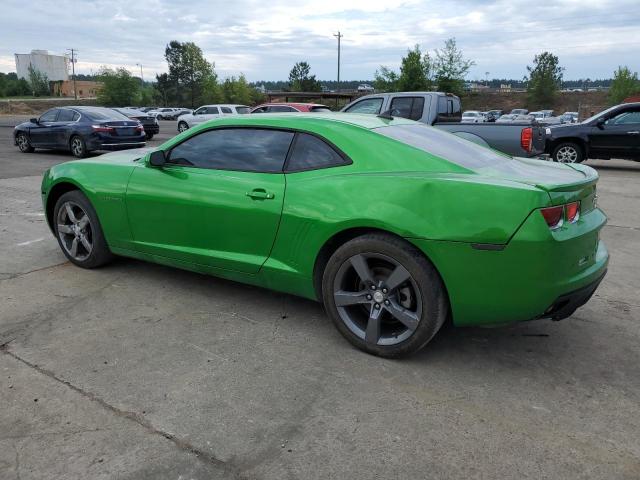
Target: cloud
<point x="264" y="39"/>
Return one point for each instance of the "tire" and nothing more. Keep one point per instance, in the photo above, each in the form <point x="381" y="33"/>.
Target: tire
<point x="82" y="228"/>
<point x="568" y="152"/>
<point x="149" y="136"/>
<point x="183" y="126"/>
<point x="383" y="295"/>
<point x="160" y="117"/>
<point x="78" y="146"/>
<point x="23" y="143"/>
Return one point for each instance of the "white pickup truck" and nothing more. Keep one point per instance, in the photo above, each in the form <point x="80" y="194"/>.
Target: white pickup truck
<point x="443" y="110"/>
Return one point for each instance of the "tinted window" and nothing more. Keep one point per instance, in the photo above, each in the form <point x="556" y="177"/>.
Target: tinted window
<point x="49" y="116"/>
<point x="212" y="110"/>
<point x="283" y="108"/>
<point x="312" y="152"/>
<point x="626" y="118"/>
<point x="243" y="110"/>
<point x="448" y="108"/>
<point x="408" y="107"/>
<point x="444" y="145"/>
<point x="104" y="114"/>
<point x="200" y="111"/>
<point x="66" y="115"/>
<point x="260" y="110"/>
<point x="370" y="105"/>
<point x="226" y="110"/>
<point x="247" y="149"/>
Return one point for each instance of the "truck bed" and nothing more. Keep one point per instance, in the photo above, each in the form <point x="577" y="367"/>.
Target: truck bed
<point x="504" y="137"/>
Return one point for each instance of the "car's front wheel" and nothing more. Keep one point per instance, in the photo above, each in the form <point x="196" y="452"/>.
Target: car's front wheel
<point x="78" y="147"/>
<point x="183" y="126"/>
<point x="568" y="152"/>
<point x="78" y="231"/>
<point x="23" y="143"/>
<point x="383" y="295"/>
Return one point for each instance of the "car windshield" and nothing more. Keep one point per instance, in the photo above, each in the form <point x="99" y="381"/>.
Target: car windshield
<point x="104" y="114"/>
<point x="444" y="145"/>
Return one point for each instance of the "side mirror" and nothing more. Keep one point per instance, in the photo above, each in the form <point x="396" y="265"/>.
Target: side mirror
<point x="157" y="158"/>
<point x="34" y="120"/>
<point x="600" y="123"/>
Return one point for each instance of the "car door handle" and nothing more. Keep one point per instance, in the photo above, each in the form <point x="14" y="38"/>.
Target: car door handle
<point x="635" y="132"/>
<point x="260" y="194"/>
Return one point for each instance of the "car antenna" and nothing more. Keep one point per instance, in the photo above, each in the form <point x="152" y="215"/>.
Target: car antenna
<point x="386" y="115"/>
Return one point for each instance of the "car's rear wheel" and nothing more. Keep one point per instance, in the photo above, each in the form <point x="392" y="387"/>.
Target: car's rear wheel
<point x="568" y="152"/>
<point x="78" y="147"/>
<point x="23" y="143"/>
<point x="383" y="295"/>
<point x="78" y="231"/>
<point x="183" y="126"/>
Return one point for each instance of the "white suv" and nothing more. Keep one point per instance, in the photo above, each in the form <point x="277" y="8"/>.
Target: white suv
<point x="207" y="112"/>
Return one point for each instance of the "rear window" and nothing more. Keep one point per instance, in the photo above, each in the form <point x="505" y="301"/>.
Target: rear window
<point x="104" y="114"/>
<point x="444" y="145"/>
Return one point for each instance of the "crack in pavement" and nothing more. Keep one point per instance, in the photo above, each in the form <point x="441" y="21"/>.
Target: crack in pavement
<point x="131" y="416"/>
<point x="12" y="276"/>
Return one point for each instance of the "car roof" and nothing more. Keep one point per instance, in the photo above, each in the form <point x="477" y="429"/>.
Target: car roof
<point x="223" y="105"/>
<point x="291" y="104"/>
<point x="297" y="119"/>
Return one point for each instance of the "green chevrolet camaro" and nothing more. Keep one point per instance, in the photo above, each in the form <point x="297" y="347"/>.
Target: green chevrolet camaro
<point x="393" y="225"/>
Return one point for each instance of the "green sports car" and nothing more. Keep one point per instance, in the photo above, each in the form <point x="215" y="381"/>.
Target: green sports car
<point x="393" y="225"/>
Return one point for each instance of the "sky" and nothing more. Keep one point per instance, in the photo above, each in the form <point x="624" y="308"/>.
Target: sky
<point x="263" y="39"/>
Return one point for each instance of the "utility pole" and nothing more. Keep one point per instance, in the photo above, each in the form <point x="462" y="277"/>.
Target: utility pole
<point x="338" y="36"/>
<point x="73" y="70"/>
<point x="141" y="76"/>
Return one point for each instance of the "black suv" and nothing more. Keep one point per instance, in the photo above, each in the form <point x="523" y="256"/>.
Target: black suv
<point x="614" y="133"/>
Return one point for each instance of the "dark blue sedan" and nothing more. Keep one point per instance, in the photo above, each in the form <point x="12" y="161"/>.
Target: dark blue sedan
<point x="79" y="130"/>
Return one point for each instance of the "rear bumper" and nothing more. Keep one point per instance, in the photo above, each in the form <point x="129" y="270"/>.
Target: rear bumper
<point x="538" y="274"/>
<point x="116" y="146"/>
<point x="566" y="304"/>
<point x="152" y="128"/>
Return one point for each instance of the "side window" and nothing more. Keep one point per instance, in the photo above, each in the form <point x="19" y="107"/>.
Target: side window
<point x="408" y="107"/>
<point x="626" y="118"/>
<point x="66" y="115"/>
<point x="76" y="116"/>
<point x="245" y="149"/>
<point x="281" y="108"/>
<point x="226" y="110"/>
<point x="212" y="110"/>
<point x="311" y="152"/>
<point x="448" y="109"/>
<point x="260" y="110"/>
<point x="370" y="105"/>
<point x="200" y="111"/>
<point x="49" y="116"/>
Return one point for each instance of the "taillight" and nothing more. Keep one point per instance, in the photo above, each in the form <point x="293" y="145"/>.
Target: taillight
<point x="553" y="216"/>
<point x="573" y="212"/>
<point x="526" y="139"/>
<point x="139" y="128"/>
<point x="103" y="129"/>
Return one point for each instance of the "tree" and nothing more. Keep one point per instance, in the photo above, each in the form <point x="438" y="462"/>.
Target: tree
<point x="625" y="83"/>
<point x="38" y="82"/>
<point x="119" y="88"/>
<point x="237" y="90"/>
<point x="451" y="68"/>
<point x="386" y="80"/>
<point x="301" y="81"/>
<point x="544" y="80"/>
<point x="415" y="71"/>
<point x="189" y="69"/>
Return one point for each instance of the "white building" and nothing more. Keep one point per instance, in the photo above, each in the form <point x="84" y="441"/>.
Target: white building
<point x="55" y="67"/>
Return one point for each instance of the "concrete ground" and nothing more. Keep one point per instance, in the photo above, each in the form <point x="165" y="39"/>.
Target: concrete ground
<point x="137" y="371"/>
